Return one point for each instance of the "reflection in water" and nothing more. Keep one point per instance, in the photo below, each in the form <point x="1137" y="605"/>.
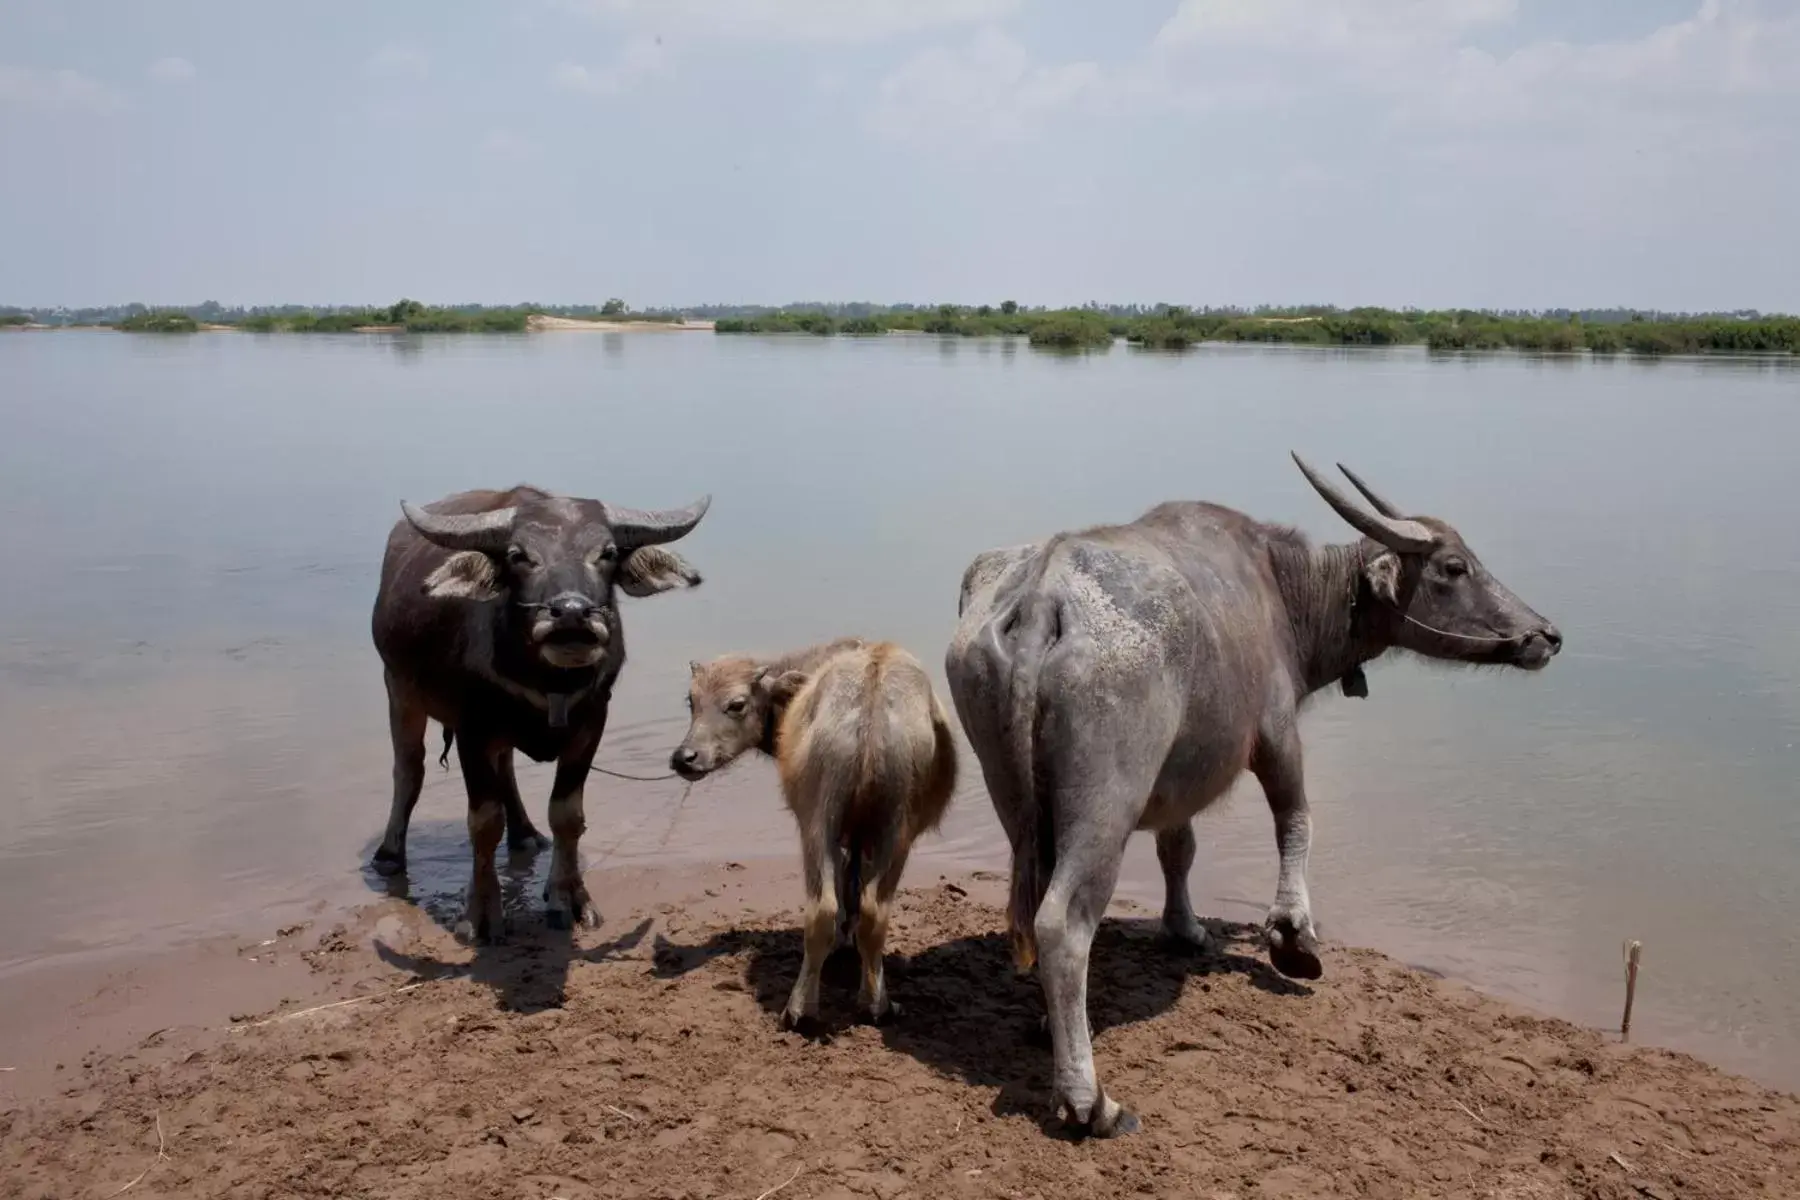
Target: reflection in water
<point x="194" y="735"/>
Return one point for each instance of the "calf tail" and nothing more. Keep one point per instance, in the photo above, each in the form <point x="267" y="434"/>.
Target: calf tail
<point x="444" y="758"/>
<point x="1034" y="843"/>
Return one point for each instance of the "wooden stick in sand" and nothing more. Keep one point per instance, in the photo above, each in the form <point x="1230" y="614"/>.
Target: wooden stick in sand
<point x="1634" y="950"/>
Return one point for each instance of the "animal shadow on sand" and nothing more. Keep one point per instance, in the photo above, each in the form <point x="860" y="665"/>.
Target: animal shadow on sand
<point x="969" y="1015"/>
<point x="528" y="971"/>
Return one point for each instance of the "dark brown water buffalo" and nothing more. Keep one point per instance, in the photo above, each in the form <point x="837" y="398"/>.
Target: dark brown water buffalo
<point x="497" y="617"/>
<point x="1121" y="678"/>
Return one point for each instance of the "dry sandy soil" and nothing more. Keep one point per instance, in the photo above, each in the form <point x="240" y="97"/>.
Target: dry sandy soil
<point x="643" y="1059"/>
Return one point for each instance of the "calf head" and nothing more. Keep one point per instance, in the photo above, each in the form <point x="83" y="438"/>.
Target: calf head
<point x="558" y="561"/>
<point x="1436" y="598"/>
<point x="735" y="704"/>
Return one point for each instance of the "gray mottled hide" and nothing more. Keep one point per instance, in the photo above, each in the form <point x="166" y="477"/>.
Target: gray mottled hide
<point x="1121" y="678"/>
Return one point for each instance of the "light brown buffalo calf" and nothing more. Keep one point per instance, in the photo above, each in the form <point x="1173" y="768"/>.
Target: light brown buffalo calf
<point x="867" y="765"/>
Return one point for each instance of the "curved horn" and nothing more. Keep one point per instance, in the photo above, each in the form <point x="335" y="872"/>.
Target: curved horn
<point x="634" y="527"/>
<point x="486" y="531"/>
<point x="1407" y="537"/>
<point x="1381" y="506"/>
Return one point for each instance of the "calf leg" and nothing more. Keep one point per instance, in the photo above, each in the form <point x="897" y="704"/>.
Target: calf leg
<point x="1293" y="945"/>
<point x="1090" y="844"/>
<point x="483" y="920"/>
<point x="1175" y="851"/>
<point x="566" y="899"/>
<point x="406" y="728"/>
<point x="871" y="937"/>
<point x="821" y="929"/>
<point x="521" y="834"/>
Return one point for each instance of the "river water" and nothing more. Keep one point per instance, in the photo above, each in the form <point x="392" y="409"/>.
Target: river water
<point x="192" y="729"/>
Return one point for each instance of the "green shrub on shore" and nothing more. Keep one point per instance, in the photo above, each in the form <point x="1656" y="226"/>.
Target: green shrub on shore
<point x="1072" y="330"/>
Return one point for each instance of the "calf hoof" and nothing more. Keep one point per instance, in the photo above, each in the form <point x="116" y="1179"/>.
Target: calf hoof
<point x="388" y="863"/>
<point x="798" y="1022"/>
<point x="1110" y="1120"/>
<point x="1293" y="949"/>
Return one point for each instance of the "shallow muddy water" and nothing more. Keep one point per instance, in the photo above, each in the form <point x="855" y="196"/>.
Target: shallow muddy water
<point x="192" y="730"/>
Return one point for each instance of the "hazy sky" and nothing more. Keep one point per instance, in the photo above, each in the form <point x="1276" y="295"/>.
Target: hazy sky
<point x="1433" y="152"/>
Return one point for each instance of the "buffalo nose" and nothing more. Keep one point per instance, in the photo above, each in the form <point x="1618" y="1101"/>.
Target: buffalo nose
<point x="570" y="607"/>
<point x="1553" y="635"/>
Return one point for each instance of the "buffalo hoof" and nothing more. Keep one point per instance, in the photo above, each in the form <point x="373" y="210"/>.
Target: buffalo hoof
<point x="568" y="905"/>
<point x="886" y="1016"/>
<point x="1187" y="933"/>
<point x="484" y="922"/>
<point x="529" y="842"/>
<point x="1293" y="949"/>
<point x="1111" y="1120"/>
<point x="387" y="863"/>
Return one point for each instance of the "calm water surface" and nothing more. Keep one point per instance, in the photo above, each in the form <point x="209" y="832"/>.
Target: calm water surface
<point x="192" y="730"/>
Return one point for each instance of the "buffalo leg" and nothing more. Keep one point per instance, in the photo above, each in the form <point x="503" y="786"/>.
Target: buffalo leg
<point x="406" y="728"/>
<point x="566" y="899"/>
<point x="483" y="921"/>
<point x="1090" y="844"/>
<point x="1175" y="851"/>
<point x="521" y="834"/>
<point x="821" y="928"/>
<point x="1293" y="945"/>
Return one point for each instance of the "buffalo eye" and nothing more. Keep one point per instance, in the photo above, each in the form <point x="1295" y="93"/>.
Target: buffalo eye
<point x="608" y="553"/>
<point x="1455" y="568"/>
<point x="736" y="707"/>
<point x="517" y="556"/>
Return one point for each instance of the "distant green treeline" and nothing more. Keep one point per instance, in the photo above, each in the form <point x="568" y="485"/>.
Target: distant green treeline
<point x="1173" y="328"/>
<point x="1166" y="326"/>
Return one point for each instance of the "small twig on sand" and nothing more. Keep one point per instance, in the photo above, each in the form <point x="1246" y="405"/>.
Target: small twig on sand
<point x="620" y="1111"/>
<point x="1633" y="951"/>
<point x="161" y="1155"/>
<point x="8" y="1068"/>
<point x="779" y="1186"/>
<point x="322" y="1007"/>
<point x="1623" y="1165"/>
<point x="1470" y="1111"/>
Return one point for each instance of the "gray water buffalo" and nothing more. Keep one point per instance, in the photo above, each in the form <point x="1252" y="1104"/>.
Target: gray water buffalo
<point x="497" y="617"/>
<point x="867" y="764"/>
<point x="1121" y="678"/>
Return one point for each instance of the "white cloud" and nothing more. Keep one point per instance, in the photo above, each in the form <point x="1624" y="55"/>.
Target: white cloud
<point x="64" y="90"/>
<point x="397" y="62"/>
<point x="505" y="144"/>
<point x="641" y="58"/>
<point x="171" y="70"/>
<point x="1416" y="59"/>
<point x="799" y="20"/>
<point x="988" y="90"/>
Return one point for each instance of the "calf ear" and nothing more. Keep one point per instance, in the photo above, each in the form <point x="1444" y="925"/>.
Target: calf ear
<point x="652" y="569"/>
<point x="468" y="575"/>
<point x="781" y="688"/>
<point x="1383" y="574"/>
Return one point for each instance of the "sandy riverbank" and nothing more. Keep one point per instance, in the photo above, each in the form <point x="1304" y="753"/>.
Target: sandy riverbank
<point x="643" y="1059"/>
<point x="545" y="322"/>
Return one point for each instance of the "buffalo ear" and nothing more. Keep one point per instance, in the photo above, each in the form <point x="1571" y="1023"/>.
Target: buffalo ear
<point x="467" y="575"/>
<point x="649" y="570"/>
<point x="1383" y="574"/>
